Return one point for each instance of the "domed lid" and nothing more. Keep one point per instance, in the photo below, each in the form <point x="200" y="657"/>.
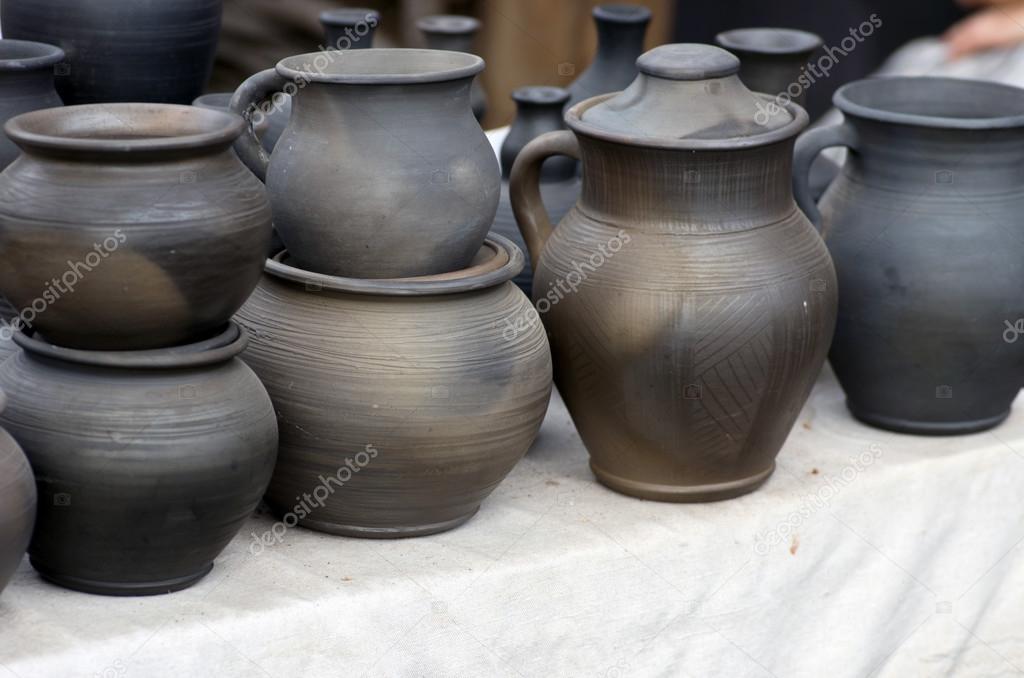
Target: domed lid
<point x="687" y="92"/>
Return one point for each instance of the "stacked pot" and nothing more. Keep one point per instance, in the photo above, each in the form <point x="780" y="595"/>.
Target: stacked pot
<point x="378" y="331"/>
<point x="129" y="236"/>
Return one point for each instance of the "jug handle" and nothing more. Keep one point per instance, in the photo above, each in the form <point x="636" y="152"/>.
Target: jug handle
<point x="524" y="187"/>
<point x="808" y="146"/>
<point x="246" y="102"/>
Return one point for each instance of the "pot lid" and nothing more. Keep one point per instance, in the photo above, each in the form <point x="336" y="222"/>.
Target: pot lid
<point x="686" y="91"/>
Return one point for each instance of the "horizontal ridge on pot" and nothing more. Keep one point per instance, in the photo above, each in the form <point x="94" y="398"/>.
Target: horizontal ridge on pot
<point x="424" y="375"/>
<point x="148" y="462"/>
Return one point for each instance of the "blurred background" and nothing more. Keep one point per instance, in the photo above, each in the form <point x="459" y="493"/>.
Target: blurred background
<point x="546" y="42"/>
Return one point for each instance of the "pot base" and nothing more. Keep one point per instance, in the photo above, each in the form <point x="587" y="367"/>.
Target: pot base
<point x="926" y="428"/>
<point x="678" y="494"/>
<point x="387" y="532"/>
<point x="104" y="588"/>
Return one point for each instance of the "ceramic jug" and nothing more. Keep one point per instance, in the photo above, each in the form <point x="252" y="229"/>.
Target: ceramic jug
<point x="924" y="225"/>
<point x="349" y="27"/>
<point x="689" y="303"/>
<point x="17" y="503"/>
<point x="455" y="33"/>
<point x="772" y="60"/>
<point x="123" y="50"/>
<point x="620" y="40"/>
<point x="26" y="84"/>
<point x="383" y="171"/>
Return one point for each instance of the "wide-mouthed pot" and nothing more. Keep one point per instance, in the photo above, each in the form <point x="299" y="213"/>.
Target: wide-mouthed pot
<point x="382" y="171"/>
<point x="147" y="462"/>
<point x="402" y="403"/>
<point x="129" y="226"/>
<point x="924" y="224"/>
<point x="123" y="50"/>
<point x="689" y="303"/>
<point x="26" y="84"/>
<point x="17" y="503"/>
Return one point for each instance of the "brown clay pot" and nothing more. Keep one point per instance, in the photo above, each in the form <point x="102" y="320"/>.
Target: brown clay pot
<point x="17" y="503"/>
<point x="690" y="304"/>
<point x="129" y="226"/>
<point x="148" y="462"/>
<point x="402" y="403"/>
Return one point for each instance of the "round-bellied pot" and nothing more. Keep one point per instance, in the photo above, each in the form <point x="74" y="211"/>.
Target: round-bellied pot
<point x="402" y="403"/>
<point x="689" y="303"/>
<point x="17" y="504"/>
<point x="620" y="41"/>
<point x="455" y="33"/>
<point x="924" y="226"/>
<point x="147" y="462"/>
<point x="383" y="171"/>
<point x="129" y="226"/>
<point x="772" y="59"/>
<point x="26" y="84"/>
<point x="349" y="27"/>
<point x="539" y="110"/>
<point x="123" y="50"/>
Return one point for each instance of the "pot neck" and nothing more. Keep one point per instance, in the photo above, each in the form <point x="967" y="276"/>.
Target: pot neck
<point x="399" y="108"/>
<point x="30" y="83"/>
<point x="620" y="40"/>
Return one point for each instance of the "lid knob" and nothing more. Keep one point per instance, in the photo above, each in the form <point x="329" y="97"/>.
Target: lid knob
<point x="688" y="61"/>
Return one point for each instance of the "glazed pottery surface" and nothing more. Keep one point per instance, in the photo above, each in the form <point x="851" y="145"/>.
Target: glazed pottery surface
<point x="26" y="84"/>
<point x="539" y="111"/>
<point x="455" y="34"/>
<point x="620" y="40"/>
<point x="147" y="462"/>
<point x="772" y="59"/>
<point x="349" y="27"/>
<point x="406" y="400"/>
<point x="129" y="226"/>
<point x="17" y="504"/>
<point x="123" y="50"/>
<point x="689" y="303"/>
<point x="383" y="171"/>
<point x="931" y="197"/>
<point x="7" y="329"/>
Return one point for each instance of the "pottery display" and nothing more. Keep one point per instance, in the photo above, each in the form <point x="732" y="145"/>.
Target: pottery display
<point x="928" y="199"/>
<point x="620" y="40"/>
<point x="772" y="60"/>
<point x="17" y="504"/>
<point x="349" y="27"/>
<point x="147" y="462"/>
<point x="406" y="400"/>
<point x="123" y="50"/>
<point x="689" y="303"/>
<point x="129" y="226"/>
<point x="26" y="84"/>
<point x="385" y="172"/>
<point x="455" y="34"/>
<point x="539" y="110"/>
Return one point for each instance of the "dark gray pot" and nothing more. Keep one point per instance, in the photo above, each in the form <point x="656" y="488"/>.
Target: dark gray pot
<point x="26" y="84"/>
<point x="772" y="59"/>
<point x="123" y="50"/>
<point x="925" y="227"/>
<point x="620" y="41"/>
<point x="455" y="34"/>
<point x="17" y="504"/>
<point x="349" y="27"/>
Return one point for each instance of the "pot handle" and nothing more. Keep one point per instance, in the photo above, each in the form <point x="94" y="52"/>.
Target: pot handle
<point x="524" y="187"/>
<point x="247" y="102"/>
<point x="808" y="146"/>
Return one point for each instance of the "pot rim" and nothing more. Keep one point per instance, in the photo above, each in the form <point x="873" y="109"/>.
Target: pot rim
<point x="802" y="41"/>
<point x="448" y="24"/>
<point x="469" y="65"/>
<point x="44" y="55"/>
<point x="622" y="13"/>
<point x="349" y="16"/>
<point x="505" y="264"/>
<point x="574" y="120"/>
<point x="842" y="100"/>
<point x="229" y="343"/>
<point x="28" y="130"/>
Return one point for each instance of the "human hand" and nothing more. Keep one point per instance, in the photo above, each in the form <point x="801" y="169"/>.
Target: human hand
<point x="1000" y="25"/>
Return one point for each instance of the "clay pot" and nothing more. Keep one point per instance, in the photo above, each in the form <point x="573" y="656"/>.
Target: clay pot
<point x="923" y="225"/>
<point x="772" y="59"/>
<point x="26" y="84"/>
<point x="385" y="172"/>
<point x="17" y="504"/>
<point x="455" y="34"/>
<point x="148" y="462"/>
<point x="8" y="327"/>
<point x="407" y="401"/>
<point x="539" y="110"/>
<point x="349" y="27"/>
<point x="689" y="303"/>
<point x="620" y="40"/>
<point x="129" y="226"/>
<point x="123" y="50"/>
